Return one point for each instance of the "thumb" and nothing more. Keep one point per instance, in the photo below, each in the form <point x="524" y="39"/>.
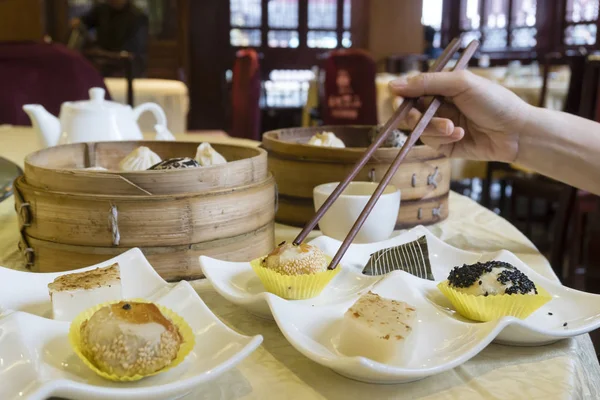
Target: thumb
<point x="447" y="84"/>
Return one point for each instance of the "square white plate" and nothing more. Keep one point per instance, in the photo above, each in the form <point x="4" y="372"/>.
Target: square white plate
<point x="38" y="362"/>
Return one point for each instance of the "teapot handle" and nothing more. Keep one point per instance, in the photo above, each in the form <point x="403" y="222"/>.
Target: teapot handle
<point x="159" y="114"/>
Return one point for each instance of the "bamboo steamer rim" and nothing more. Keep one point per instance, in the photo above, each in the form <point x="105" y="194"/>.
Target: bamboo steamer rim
<point x="78" y="171"/>
<point x="274" y="144"/>
<point x="21" y="182"/>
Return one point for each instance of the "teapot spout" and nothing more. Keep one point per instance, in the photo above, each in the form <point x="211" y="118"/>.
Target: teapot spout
<point x="46" y="124"/>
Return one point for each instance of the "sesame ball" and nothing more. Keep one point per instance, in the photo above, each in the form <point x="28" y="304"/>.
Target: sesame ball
<point x="291" y="259"/>
<point x="490" y="278"/>
<point x="129" y="338"/>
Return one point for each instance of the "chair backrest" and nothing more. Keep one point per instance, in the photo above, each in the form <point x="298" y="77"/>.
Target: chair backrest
<point x="349" y="90"/>
<point x="245" y="95"/>
<point x="120" y="63"/>
<point x="576" y="63"/>
<point x="42" y="73"/>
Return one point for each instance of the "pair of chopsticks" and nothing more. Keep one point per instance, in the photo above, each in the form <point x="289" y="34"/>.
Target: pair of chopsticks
<point x="399" y="115"/>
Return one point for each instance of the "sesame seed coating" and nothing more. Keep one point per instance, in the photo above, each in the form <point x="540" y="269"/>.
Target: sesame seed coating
<point x="290" y="259"/>
<point x="130" y="338"/>
<point x="508" y="279"/>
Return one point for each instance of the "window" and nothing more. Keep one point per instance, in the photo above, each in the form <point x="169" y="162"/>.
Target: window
<point x="470" y="19"/>
<point x="283" y="14"/>
<point x="523" y="20"/>
<point x="327" y="23"/>
<point x="432" y="16"/>
<point x="245" y="17"/>
<point x="580" y="19"/>
<point x="287" y="88"/>
<point x="499" y="24"/>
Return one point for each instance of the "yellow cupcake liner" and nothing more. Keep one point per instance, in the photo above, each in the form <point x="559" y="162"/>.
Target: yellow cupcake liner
<point x="184" y="349"/>
<point x="489" y="308"/>
<point x="293" y="287"/>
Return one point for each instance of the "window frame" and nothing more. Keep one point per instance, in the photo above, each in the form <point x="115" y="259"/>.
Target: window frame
<point x="302" y="28"/>
<point x="550" y="14"/>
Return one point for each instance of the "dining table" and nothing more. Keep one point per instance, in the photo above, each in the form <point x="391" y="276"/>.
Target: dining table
<point x="565" y="369"/>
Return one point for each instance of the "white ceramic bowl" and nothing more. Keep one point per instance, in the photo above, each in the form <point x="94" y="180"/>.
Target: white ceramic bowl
<point x="339" y="219"/>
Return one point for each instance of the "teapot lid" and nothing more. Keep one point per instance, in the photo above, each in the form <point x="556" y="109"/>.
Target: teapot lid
<point x="95" y="102"/>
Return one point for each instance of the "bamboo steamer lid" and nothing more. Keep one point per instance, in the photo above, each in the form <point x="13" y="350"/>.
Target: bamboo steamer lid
<point x="60" y="169"/>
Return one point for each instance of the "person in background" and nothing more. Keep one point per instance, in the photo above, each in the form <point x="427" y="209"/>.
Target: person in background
<point x="430" y="50"/>
<point x="119" y="26"/>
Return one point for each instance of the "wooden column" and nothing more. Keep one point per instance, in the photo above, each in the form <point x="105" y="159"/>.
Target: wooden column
<point x="209" y="57"/>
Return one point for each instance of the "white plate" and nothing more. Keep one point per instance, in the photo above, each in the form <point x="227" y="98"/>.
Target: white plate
<point x="446" y="339"/>
<point x="37" y="361"/>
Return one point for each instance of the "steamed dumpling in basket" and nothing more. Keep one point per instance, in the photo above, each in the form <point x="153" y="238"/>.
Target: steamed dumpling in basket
<point x="326" y="139"/>
<point x="206" y="155"/>
<point x="140" y="159"/>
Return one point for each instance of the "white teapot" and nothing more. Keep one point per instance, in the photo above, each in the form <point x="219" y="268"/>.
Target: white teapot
<point x="94" y="120"/>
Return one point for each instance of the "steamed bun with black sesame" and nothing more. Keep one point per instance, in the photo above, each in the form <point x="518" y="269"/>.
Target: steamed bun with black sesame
<point x="291" y="259"/>
<point x="490" y="278"/>
<point x="129" y="338"/>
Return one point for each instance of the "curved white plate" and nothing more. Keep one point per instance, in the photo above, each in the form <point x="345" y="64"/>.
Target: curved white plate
<point x="581" y="311"/>
<point x="38" y="362"/>
<point x="237" y="282"/>
<point x="440" y="343"/>
<point x="443" y="340"/>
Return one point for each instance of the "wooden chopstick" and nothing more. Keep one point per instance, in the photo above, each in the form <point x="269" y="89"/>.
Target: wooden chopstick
<point x="412" y="139"/>
<point x="399" y="115"/>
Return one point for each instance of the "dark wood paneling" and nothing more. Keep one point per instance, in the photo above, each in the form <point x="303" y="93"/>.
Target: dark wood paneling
<point x="209" y="59"/>
<point x="22" y="20"/>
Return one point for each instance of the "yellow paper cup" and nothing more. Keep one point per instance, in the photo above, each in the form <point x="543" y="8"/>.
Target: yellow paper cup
<point x="489" y="308"/>
<point x="184" y="329"/>
<point x="293" y="287"/>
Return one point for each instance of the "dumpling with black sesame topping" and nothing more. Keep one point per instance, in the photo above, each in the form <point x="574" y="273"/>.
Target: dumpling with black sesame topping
<point x="130" y="338"/>
<point x="490" y="278"/>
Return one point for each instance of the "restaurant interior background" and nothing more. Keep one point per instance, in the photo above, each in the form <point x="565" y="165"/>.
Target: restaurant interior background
<point x="203" y="55"/>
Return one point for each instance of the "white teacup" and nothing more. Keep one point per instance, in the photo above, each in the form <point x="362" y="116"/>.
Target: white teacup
<point x="344" y="212"/>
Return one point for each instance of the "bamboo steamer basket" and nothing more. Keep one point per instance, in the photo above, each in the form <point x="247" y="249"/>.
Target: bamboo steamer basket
<point x="225" y="211"/>
<point x="60" y="169"/>
<point x="423" y="178"/>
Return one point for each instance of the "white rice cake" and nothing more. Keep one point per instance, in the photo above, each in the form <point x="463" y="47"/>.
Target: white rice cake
<point x="377" y="328"/>
<point x="73" y="293"/>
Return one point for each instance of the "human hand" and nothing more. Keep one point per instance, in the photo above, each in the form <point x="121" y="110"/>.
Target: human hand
<point x="479" y="120"/>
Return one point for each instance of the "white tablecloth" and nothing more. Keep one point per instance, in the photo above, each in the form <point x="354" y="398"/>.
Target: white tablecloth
<point x="567" y="369"/>
<point x="171" y="95"/>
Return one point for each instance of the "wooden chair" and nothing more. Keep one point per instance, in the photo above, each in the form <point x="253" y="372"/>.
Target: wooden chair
<point x="584" y="261"/>
<point x="349" y="89"/>
<point x="121" y="63"/>
<point x="548" y="205"/>
<point x="42" y="73"/>
<point x="245" y="95"/>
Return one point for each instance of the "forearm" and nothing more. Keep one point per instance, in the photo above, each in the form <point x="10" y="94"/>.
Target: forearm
<point x="563" y="147"/>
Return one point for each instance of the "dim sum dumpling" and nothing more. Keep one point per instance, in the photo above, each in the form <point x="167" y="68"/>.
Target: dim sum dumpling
<point x="95" y="169"/>
<point x="140" y="159"/>
<point x="206" y="155"/>
<point x="326" y="139"/>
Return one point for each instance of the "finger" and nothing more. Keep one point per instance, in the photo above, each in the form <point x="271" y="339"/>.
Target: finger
<point x="438" y="141"/>
<point x="436" y="127"/>
<point x="448" y="84"/>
